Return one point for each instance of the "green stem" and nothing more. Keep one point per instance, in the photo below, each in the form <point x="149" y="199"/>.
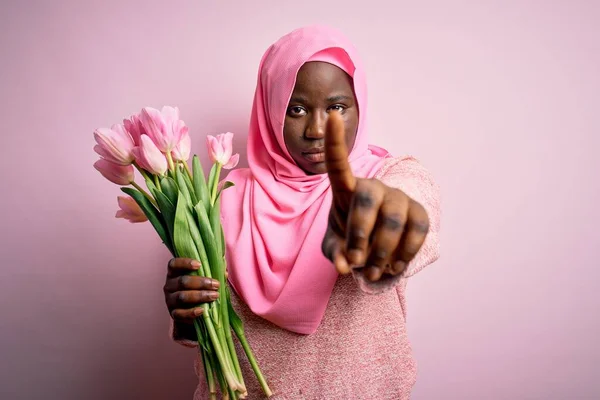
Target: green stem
<point x="233" y="353"/>
<point x="219" y="373"/>
<point x="208" y="368"/>
<point x="213" y="195"/>
<point x="226" y="352"/>
<point x="261" y="379"/>
<point x="141" y="171"/>
<point x="187" y="169"/>
<point x="146" y="194"/>
<point x="156" y="181"/>
<point x="231" y="393"/>
<point x="170" y="161"/>
<point x="228" y="374"/>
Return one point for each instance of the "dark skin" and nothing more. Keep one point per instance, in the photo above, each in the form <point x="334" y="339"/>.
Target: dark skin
<point x="373" y="229"/>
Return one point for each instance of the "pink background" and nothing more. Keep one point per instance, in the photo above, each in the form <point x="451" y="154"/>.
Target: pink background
<point x="500" y="99"/>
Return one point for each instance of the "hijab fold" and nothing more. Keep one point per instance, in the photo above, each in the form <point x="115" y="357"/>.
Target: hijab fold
<point x="275" y="216"/>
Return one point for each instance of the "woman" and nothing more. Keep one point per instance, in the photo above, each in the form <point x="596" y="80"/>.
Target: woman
<point x="320" y="236"/>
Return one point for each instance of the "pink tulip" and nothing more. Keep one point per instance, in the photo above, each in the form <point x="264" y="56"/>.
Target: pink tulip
<point x="149" y="157"/>
<point x="181" y="152"/>
<point x="133" y="125"/>
<point x="163" y="127"/>
<point x="130" y="210"/>
<point x="220" y="149"/>
<point x="118" y="174"/>
<point x="114" y="144"/>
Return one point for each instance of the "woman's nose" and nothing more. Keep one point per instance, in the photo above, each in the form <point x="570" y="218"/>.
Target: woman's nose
<point x="317" y="125"/>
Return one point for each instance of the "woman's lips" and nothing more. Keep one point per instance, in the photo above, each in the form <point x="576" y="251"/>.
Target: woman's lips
<point x="315" y="155"/>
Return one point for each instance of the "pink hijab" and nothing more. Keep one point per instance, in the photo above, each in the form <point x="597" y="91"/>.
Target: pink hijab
<point x="275" y="216"/>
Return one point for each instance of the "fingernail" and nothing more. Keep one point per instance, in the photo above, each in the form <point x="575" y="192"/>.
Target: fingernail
<point x="355" y="256"/>
<point x="372" y="273"/>
<point x="214" y="295"/>
<point x="198" y="311"/>
<point x="195" y="264"/>
<point x="215" y="284"/>
<point x="399" y="266"/>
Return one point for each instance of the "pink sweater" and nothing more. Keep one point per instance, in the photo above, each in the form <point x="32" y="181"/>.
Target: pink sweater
<point x="361" y="349"/>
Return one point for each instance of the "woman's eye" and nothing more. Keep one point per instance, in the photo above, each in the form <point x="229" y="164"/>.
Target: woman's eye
<point x="337" y="107"/>
<point x="296" y="111"/>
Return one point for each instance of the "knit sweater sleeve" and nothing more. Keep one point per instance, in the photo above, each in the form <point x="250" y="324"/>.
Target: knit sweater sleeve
<point x="408" y="175"/>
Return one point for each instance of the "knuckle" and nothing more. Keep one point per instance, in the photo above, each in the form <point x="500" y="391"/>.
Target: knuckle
<point x="392" y="221"/>
<point x="420" y="225"/>
<point x="182" y="297"/>
<point x="379" y="256"/>
<point x="364" y="198"/>
<point x="357" y="236"/>
<point x="183" y="281"/>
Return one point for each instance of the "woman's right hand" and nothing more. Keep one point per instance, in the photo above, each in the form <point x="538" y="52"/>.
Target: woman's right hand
<point x="184" y="293"/>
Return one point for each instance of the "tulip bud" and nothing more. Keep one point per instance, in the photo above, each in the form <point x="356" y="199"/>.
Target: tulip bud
<point x="130" y="210"/>
<point x="114" y="144"/>
<point x="220" y="149"/>
<point x="118" y="174"/>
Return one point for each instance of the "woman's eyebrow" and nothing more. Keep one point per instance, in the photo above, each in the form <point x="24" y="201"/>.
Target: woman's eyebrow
<point x="330" y="99"/>
<point x="298" y="99"/>
<point x="340" y="97"/>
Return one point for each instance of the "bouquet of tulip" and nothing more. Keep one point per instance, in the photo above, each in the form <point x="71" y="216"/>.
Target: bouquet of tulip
<point x="183" y="207"/>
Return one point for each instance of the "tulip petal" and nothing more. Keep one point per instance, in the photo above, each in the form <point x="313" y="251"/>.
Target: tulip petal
<point x="103" y="153"/>
<point x="116" y="143"/>
<point x="233" y="161"/>
<point x="170" y="114"/>
<point x="213" y="148"/>
<point x="149" y="157"/>
<point x="117" y="174"/>
<point x="130" y="210"/>
<point x="182" y="151"/>
<point x="227" y="145"/>
<point x="133" y="125"/>
<point x="153" y="123"/>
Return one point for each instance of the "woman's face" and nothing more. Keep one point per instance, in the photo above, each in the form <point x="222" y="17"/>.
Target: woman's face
<point x="320" y="89"/>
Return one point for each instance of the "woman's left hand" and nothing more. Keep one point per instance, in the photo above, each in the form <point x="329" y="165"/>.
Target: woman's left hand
<point x="371" y="225"/>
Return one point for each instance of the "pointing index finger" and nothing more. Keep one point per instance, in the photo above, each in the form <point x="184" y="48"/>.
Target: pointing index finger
<point x="336" y="156"/>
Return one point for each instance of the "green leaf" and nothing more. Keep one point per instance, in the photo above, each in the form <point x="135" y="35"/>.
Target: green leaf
<point x="197" y="238"/>
<point x="182" y="185"/>
<point x="215" y="225"/>
<point x="226" y="184"/>
<point x="152" y="214"/>
<point x="200" y="182"/>
<point x="202" y="335"/>
<point x="234" y="319"/>
<point x="211" y="178"/>
<point x="190" y="187"/>
<point x="208" y="238"/>
<point x="170" y="189"/>
<point x="223" y="242"/>
<point x="151" y="186"/>
<point x="184" y="245"/>
<point x="167" y="210"/>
